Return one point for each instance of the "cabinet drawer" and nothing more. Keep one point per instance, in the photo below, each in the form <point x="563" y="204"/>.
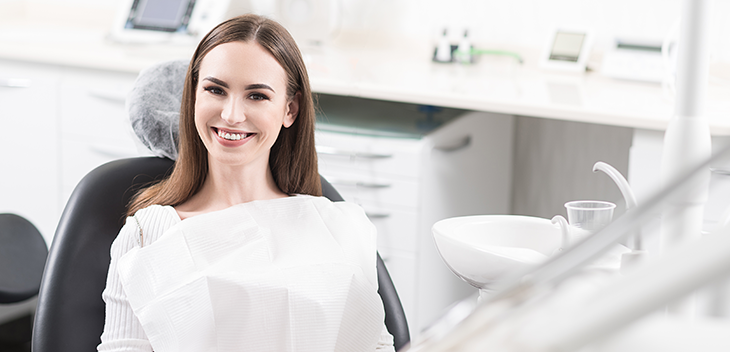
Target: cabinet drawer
<point x="29" y="144"/>
<point x="93" y="105"/>
<point x="373" y="189"/>
<point x="396" y="227"/>
<point x="386" y="156"/>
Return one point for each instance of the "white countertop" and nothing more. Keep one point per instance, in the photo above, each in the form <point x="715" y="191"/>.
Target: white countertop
<point x="389" y="72"/>
<point x="503" y="86"/>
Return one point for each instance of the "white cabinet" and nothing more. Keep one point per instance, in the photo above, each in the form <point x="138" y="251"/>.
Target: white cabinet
<point x="408" y="181"/>
<point x="56" y="127"/>
<point x="29" y="135"/>
<point x="93" y="122"/>
<point x="382" y="175"/>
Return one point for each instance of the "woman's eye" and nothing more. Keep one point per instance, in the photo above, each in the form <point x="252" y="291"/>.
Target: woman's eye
<point x="259" y="96"/>
<point x="214" y="90"/>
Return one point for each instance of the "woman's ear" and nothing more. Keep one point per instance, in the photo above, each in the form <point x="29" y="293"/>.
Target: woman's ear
<point x="292" y="110"/>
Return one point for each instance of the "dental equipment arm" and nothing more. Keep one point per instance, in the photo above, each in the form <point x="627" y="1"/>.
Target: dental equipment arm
<point x="620" y="181"/>
<point x="651" y="287"/>
<point x="687" y="139"/>
<point x="564" y="231"/>
<point x="638" y="254"/>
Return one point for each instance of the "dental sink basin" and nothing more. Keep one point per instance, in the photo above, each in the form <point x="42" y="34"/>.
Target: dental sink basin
<point x="481" y="249"/>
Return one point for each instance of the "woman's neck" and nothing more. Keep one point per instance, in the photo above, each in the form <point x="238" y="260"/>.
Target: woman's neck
<point x="226" y="186"/>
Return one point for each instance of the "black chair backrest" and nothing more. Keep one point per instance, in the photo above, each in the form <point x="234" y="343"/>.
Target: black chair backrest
<point x="70" y="312"/>
<point x="23" y="255"/>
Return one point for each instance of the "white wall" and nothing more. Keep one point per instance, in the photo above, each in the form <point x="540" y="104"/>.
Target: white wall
<point x="514" y="23"/>
<point x="524" y="23"/>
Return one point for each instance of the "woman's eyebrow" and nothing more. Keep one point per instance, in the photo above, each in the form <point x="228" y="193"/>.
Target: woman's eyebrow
<point x="216" y="81"/>
<point x="248" y="87"/>
<point x="259" y="86"/>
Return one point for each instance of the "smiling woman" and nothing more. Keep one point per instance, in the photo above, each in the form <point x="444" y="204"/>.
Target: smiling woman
<point x="236" y="250"/>
<point x="223" y="56"/>
<point x="239" y="113"/>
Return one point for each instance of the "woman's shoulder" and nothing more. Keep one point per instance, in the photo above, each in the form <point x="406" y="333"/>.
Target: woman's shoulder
<point x="145" y="227"/>
<point x="156" y="213"/>
<point x="154" y="218"/>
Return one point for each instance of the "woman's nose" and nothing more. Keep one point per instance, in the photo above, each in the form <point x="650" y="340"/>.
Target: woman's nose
<point x="234" y="112"/>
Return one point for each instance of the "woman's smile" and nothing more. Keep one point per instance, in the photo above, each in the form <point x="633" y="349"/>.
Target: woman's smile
<point x="232" y="136"/>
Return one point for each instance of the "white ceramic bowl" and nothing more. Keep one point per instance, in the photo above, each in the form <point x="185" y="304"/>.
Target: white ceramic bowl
<point x="481" y="249"/>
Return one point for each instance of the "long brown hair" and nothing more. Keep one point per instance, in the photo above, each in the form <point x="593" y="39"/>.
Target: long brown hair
<point x="293" y="159"/>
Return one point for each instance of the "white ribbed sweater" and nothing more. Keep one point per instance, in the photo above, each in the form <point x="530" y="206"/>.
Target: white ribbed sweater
<point x="123" y="330"/>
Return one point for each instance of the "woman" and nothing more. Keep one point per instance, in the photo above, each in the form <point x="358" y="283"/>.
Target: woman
<point x="236" y="250"/>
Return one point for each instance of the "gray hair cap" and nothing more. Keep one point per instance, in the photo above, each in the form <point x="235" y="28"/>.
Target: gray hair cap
<point x="154" y="106"/>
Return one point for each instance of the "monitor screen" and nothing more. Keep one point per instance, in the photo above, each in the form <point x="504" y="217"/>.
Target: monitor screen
<point x="567" y="46"/>
<point x="160" y="15"/>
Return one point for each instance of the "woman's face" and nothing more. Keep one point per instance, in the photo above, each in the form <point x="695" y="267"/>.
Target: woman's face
<point x="241" y="103"/>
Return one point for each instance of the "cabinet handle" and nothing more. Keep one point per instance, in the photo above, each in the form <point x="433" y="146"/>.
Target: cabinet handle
<point x="353" y="183"/>
<point x="15" y="83"/>
<point x="377" y="215"/>
<point x="110" y="151"/>
<point x="109" y="96"/>
<point x="352" y="154"/>
<point x="460" y="144"/>
<point x="372" y="184"/>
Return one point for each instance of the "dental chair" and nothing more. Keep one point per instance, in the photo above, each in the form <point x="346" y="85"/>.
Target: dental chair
<point x="23" y="255"/>
<point x="70" y="313"/>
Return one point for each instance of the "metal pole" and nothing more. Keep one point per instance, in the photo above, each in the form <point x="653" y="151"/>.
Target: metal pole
<point x="687" y="139"/>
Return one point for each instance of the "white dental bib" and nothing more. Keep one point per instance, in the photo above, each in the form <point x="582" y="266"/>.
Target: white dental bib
<point x="291" y="274"/>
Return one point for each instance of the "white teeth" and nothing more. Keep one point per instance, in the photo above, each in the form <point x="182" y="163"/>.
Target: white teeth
<point x="231" y="136"/>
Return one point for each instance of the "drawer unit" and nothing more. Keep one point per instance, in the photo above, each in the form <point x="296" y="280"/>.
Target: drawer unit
<point x="373" y="188"/>
<point x="94" y="123"/>
<point x="358" y="153"/>
<point x="382" y="175"/>
<point x="29" y="144"/>
<point x="82" y="119"/>
<point x="396" y="229"/>
<point x="93" y="106"/>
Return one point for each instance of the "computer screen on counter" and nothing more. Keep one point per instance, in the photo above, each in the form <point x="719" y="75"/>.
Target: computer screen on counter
<point x="160" y="15"/>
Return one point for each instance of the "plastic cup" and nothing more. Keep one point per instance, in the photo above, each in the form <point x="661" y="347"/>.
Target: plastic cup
<point x="589" y="216"/>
